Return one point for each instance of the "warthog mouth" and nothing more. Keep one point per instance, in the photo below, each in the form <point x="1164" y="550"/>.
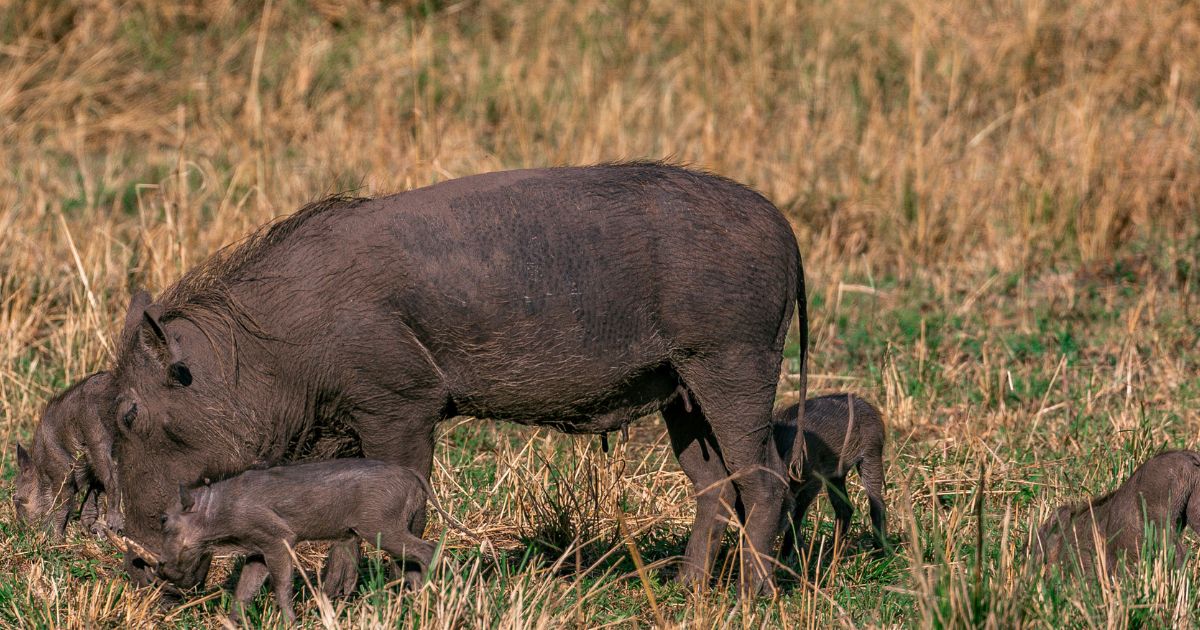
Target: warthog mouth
<point x="187" y="579"/>
<point x="129" y="546"/>
<point x="142" y="564"/>
<point x="172" y="579"/>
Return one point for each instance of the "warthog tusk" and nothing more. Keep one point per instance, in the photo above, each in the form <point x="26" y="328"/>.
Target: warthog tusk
<point x="127" y="545"/>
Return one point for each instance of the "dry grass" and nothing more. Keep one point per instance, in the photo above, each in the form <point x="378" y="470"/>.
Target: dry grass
<point x="996" y="201"/>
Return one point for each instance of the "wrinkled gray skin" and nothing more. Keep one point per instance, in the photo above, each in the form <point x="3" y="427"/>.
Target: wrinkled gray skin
<point x="835" y="442"/>
<point x="575" y="298"/>
<point x="1161" y="495"/>
<point x="262" y="513"/>
<point x="71" y="452"/>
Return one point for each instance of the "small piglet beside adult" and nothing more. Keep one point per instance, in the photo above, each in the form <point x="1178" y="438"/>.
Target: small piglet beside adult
<point x="263" y="513"/>
<point x="841" y="432"/>
<point x="1160" y="496"/>
<point x="71" y="452"/>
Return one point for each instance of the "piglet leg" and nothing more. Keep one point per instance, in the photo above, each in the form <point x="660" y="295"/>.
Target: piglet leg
<point x="843" y="510"/>
<point x="340" y="577"/>
<point x="89" y="513"/>
<point x="404" y="547"/>
<point x="279" y="564"/>
<point x="793" y="530"/>
<point x="254" y="573"/>
<point x="1193" y="512"/>
<point x="870" y="471"/>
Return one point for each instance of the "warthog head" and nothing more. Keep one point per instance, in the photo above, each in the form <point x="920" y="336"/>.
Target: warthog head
<point x="170" y="388"/>
<point x="42" y="493"/>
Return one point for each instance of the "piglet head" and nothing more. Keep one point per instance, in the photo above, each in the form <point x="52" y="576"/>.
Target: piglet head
<point x="186" y="556"/>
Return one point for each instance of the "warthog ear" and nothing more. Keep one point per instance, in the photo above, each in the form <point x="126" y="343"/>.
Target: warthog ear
<point x="177" y="370"/>
<point x="185" y="498"/>
<point x="137" y="306"/>
<point x="24" y="461"/>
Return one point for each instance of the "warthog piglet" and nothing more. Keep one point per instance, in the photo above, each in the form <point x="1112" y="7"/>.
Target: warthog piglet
<point x="841" y="432"/>
<point x="71" y="452"/>
<point x="263" y="513"/>
<point x="1160" y="497"/>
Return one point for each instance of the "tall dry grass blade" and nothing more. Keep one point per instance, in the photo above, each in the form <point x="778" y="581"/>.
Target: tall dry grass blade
<point x="87" y="285"/>
<point x="636" y="556"/>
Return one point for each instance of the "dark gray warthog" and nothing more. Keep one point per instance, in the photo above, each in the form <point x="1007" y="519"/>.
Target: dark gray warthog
<point x="576" y="298"/>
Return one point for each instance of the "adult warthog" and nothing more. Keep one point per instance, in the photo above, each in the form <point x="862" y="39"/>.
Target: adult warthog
<point x="576" y="298"/>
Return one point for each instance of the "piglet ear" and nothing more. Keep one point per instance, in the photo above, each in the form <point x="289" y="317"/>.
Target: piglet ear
<point x="185" y="498"/>
<point x="24" y="461"/>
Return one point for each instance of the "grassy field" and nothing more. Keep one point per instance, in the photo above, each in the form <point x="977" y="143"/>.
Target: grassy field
<point x="997" y="204"/>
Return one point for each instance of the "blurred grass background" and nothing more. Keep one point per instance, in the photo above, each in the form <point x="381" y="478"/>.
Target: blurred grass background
<point x="997" y="204"/>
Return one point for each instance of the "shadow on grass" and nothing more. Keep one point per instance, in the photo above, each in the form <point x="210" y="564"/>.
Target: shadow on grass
<point x="608" y="553"/>
<point x="861" y="560"/>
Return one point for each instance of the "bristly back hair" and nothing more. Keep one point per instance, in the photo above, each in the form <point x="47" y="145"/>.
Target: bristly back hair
<point x="203" y="294"/>
<point x="1082" y="507"/>
<point x="206" y="284"/>
<point x="697" y="178"/>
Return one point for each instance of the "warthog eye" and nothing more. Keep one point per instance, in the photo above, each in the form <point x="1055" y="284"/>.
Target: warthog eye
<point x="130" y="415"/>
<point x="162" y="520"/>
